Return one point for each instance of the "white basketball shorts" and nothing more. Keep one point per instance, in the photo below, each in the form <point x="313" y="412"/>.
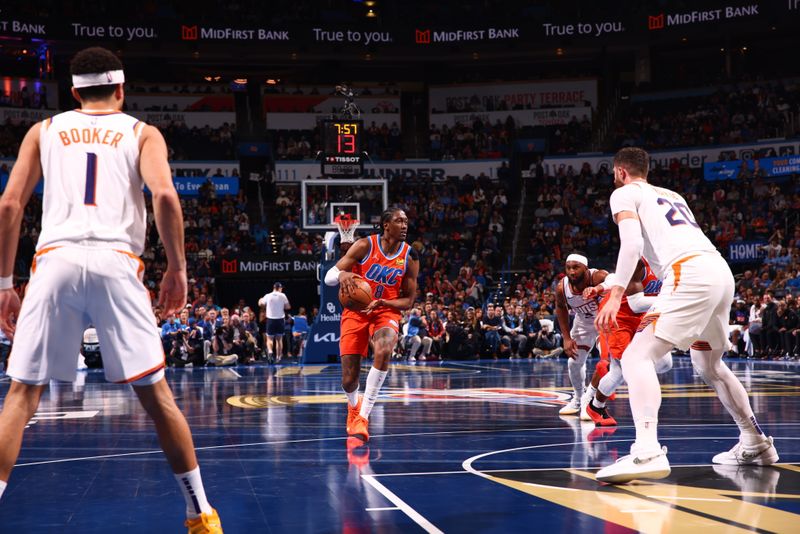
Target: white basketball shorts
<point x="70" y="288"/>
<point x="584" y="333"/>
<point x="694" y="304"/>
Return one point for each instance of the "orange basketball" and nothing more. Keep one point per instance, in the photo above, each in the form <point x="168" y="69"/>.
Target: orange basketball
<point x="360" y="298"/>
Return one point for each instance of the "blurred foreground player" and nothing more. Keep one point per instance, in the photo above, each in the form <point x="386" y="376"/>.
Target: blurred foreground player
<point x="390" y="266"/>
<point x="96" y="161"/>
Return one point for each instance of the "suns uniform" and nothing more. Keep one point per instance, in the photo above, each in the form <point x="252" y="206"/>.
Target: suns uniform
<point x="87" y="267"/>
<point x="583" y="330"/>
<point x="384" y="273"/>
<point x="695" y="300"/>
<point x="615" y="342"/>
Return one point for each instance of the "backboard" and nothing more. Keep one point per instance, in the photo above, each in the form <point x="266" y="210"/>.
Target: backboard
<point x="322" y="200"/>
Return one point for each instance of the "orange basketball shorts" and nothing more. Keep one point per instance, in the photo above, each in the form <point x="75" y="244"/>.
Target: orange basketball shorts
<point x="615" y="342"/>
<point x="357" y="329"/>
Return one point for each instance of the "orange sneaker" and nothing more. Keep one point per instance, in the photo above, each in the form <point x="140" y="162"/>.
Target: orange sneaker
<point x="205" y="524"/>
<point x="360" y="428"/>
<point x="352" y="413"/>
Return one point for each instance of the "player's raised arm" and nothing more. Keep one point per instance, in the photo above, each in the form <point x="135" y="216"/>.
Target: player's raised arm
<point x="26" y="172"/>
<point x="155" y="171"/>
<point x="340" y="273"/>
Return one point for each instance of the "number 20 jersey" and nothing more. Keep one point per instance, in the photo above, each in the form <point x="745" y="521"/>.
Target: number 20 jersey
<point x="669" y="228"/>
<point x="93" y="192"/>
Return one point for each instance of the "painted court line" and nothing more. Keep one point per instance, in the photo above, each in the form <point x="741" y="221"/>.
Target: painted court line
<point x="401" y="504"/>
<point x="384" y="509"/>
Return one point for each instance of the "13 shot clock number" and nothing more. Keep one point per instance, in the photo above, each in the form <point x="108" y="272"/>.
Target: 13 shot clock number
<point x="342" y="154"/>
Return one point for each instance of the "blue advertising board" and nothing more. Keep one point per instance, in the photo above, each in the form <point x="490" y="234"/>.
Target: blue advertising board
<point x="746" y="251"/>
<point x="729" y="170"/>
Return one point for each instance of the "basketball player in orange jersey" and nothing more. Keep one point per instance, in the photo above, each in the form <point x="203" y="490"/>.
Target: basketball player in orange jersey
<point x="639" y="296"/>
<point x="390" y="266"/>
<point x="96" y="161"/>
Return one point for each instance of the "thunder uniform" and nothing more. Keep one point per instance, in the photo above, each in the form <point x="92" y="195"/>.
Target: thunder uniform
<point x="583" y="330"/>
<point x="385" y="276"/>
<point x="615" y="342"/>
<point x="698" y="284"/>
<point x="87" y="267"/>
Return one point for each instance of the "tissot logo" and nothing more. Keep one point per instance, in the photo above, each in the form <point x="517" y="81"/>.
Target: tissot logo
<point x="422" y="36"/>
<point x="655" y="23"/>
<point x="189" y="33"/>
<point x="229" y="267"/>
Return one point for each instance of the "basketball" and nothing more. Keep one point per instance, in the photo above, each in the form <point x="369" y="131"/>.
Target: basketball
<point x="360" y="298"/>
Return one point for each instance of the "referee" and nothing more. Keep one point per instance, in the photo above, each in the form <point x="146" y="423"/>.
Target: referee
<point x="276" y="304"/>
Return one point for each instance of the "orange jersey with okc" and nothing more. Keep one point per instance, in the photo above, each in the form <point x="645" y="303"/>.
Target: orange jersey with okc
<point x="615" y="342"/>
<point x="384" y="273"/>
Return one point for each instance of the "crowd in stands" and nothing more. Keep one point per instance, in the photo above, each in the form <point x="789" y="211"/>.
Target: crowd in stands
<point x="728" y="115"/>
<point x="207" y="143"/>
<point x="31" y="98"/>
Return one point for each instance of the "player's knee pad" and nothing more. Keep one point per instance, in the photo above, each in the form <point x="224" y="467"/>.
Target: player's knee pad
<point x="706" y="364"/>
<point x="612" y="380"/>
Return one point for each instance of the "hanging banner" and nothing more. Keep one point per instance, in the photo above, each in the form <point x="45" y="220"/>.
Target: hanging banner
<point x="295" y="171"/>
<point x="528" y="117"/>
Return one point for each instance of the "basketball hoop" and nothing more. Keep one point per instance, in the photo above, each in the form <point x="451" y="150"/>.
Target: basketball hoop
<point x="347" y="227"/>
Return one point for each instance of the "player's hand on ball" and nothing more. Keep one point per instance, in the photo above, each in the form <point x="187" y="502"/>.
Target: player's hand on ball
<point x="372" y="305"/>
<point x="172" y="293"/>
<point x="347" y="282"/>
<point x="9" y="310"/>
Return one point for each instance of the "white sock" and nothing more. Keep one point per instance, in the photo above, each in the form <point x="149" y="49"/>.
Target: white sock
<point x="2" y="487"/>
<point x="375" y="380"/>
<point x="598" y="404"/>
<point x="590" y="391"/>
<point x="352" y="397"/>
<point x="192" y="487"/>
<point x="731" y="393"/>
<point x="577" y="372"/>
<point x="646" y="433"/>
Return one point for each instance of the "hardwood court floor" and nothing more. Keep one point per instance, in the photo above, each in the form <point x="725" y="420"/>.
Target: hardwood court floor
<point x="456" y="447"/>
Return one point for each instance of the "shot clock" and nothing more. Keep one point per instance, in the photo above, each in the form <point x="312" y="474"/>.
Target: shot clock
<point x="342" y="156"/>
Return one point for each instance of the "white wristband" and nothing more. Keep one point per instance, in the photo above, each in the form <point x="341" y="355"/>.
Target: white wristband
<point x="7" y="282"/>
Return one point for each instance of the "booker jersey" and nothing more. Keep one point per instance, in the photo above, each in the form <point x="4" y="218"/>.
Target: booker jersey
<point x="585" y="309"/>
<point x="383" y="272"/>
<point x="668" y="226"/>
<point x="93" y="192"/>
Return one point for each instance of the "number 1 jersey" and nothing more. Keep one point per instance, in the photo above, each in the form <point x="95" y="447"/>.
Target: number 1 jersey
<point x="93" y="192"/>
<point x="669" y="229"/>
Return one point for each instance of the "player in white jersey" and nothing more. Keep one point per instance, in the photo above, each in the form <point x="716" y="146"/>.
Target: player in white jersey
<point x="579" y="340"/>
<point x="691" y="311"/>
<point x="95" y="162"/>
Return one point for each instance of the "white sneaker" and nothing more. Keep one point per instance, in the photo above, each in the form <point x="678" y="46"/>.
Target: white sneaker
<point x="571" y="408"/>
<point x="762" y="454"/>
<point x="651" y="464"/>
<point x="412" y="359"/>
<point x="586" y="398"/>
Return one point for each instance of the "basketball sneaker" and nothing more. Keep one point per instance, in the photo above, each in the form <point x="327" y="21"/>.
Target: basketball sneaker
<point x="763" y="453"/>
<point x="600" y="416"/>
<point x="360" y="428"/>
<point x="205" y="524"/>
<point x="586" y="399"/>
<point x="352" y="413"/>
<point x="571" y="408"/>
<point x="640" y="463"/>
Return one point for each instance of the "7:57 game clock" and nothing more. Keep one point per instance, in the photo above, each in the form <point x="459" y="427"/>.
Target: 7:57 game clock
<point x="342" y="156"/>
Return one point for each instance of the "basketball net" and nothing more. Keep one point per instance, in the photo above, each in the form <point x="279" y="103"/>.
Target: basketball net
<point x="347" y="227"/>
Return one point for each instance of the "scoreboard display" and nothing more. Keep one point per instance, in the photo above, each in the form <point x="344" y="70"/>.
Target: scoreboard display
<point x="342" y="156"/>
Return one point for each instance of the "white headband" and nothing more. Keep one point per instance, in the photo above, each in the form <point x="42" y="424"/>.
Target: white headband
<point x="578" y="258"/>
<point x="111" y="77"/>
